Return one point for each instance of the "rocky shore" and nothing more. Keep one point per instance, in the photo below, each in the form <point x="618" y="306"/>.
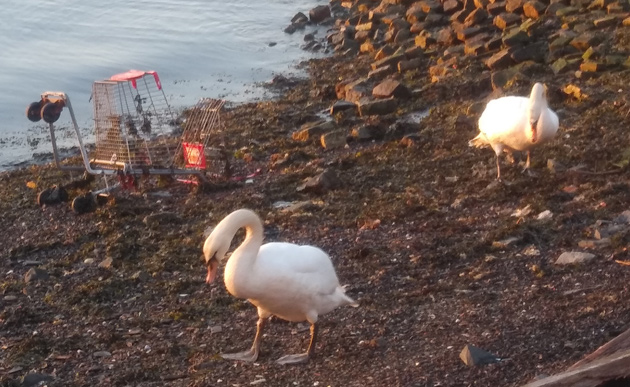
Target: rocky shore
<point x="367" y="158"/>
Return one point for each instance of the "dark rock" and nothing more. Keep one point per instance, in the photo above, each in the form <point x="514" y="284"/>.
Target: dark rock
<point x="514" y="5"/>
<point x="534" y="9"/>
<point x="414" y="52"/>
<point x="411" y="64"/>
<point x="357" y="90"/>
<point x="367" y="133"/>
<point x="496" y="8"/>
<point x="319" y="13"/>
<point x="586" y="40"/>
<point x="424" y="40"/>
<point x="468" y="33"/>
<point x="474" y="356"/>
<point x="33" y="379"/>
<point x="141" y="275"/>
<point x="333" y="140"/>
<point x="446" y="36"/>
<point x="430" y="6"/>
<point x="460" y="16"/>
<point x="566" y="11"/>
<point x="451" y="6"/>
<point x="312" y="129"/>
<point x="341" y="106"/>
<point x="390" y="60"/>
<point x="515" y="37"/>
<point x="391" y="88"/>
<point x="500" y="60"/>
<point x="481" y="4"/>
<point x="494" y="43"/>
<point x="325" y="181"/>
<point x="290" y="29"/>
<point x="592" y="66"/>
<point x="369" y="107"/>
<point x="607" y="21"/>
<point x="299" y="18"/>
<point x="617" y="7"/>
<point x="382" y="72"/>
<point x="475" y="17"/>
<point x="36" y="274"/>
<point x="505" y="20"/>
<point x="474" y="47"/>
<point x="154" y="220"/>
<point x="536" y="52"/>
<point x="501" y="78"/>
<point x="411" y="140"/>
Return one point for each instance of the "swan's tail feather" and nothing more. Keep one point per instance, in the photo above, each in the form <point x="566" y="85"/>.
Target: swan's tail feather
<point x="346" y="299"/>
<point x="478" y="141"/>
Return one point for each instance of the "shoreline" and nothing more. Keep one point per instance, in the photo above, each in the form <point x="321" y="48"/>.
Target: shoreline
<point x="438" y="255"/>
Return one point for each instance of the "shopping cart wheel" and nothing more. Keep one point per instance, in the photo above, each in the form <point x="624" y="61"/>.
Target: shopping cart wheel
<point x="53" y="195"/>
<point x="51" y="111"/>
<point x="33" y="111"/>
<point x="84" y="203"/>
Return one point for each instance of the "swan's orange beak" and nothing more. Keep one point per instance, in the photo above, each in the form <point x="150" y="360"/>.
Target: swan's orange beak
<point x="534" y="128"/>
<point x="212" y="265"/>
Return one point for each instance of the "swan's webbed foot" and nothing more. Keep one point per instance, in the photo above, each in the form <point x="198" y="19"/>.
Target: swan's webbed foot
<point x="248" y="356"/>
<point x="293" y="359"/>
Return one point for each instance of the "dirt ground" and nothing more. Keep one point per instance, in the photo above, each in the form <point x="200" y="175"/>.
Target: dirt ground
<point x="414" y="231"/>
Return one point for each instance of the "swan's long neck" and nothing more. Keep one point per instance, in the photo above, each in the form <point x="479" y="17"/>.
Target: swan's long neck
<point x="240" y="266"/>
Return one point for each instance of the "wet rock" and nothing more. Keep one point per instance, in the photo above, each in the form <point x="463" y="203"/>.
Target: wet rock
<point x="474" y="356"/>
<point x="154" y="220"/>
<point x="571" y="257"/>
<point x="391" y="88"/>
<point x="323" y="182"/>
<point x="319" y="13"/>
<point x="607" y="21"/>
<point x="333" y="140"/>
<point x="33" y="379"/>
<point x="35" y="274"/>
<point x="341" y="106"/>
<point x="369" y="107"/>
<point x="299" y="18"/>
<point x="312" y="129"/>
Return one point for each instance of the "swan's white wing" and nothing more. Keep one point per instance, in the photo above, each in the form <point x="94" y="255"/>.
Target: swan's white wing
<point x="504" y="122"/>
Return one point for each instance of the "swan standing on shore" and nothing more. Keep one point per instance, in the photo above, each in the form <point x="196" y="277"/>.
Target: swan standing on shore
<point x="295" y="283"/>
<point x="517" y="124"/>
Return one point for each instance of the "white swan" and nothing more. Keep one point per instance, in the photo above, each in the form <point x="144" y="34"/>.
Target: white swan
<point x="295" y="283"/>
<point x="517" y="124"/>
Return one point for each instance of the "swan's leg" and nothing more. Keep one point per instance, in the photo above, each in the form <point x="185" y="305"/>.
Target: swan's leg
<point x="252" y="354"/>
<point x="302" y="357"/>
<point x="527" y="165"/>
<point x="498" y="169"/>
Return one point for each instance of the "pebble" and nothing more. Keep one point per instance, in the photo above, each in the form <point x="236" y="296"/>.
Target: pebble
<point x="569" y="257"/>
<point x="102" y="354"/>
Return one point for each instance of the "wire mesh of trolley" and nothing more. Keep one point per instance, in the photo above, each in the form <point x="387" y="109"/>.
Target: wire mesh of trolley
<point x="132" y="134"/>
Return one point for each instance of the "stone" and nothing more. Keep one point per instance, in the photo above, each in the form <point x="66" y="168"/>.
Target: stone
<point x="299" y="18"/>
<point x="167" y="218"/>
<point x="571" y="257"/>
<point x="430" y="6"/>
<point x="607" y="21"/>
<point x="366" y="47"/>
<point x="623" y="218"/>
<point x="417" y="27"/>
<point x="468" y="33"/>
<point x="381" y="72"/>
<point x="591" y="66"/>
<point x="514" y="5"/>
<point x="617" y="7"/>
<point x="424" y="41"/>
<point x="368" y="107"/>
<point x="33" y="379"/>
<point x="566" y="11"/>
<point x="601" y="4"/>
<point x="141" y="275"/>
<point x="474" y="356"/>
<point x="333" y="140"/>
<point x="583" y="41"/>
<point x="356" y="90"/>
<point x="560" y="66"/>
<point x="501" y="78"/>
<point x="402" y="36"/>
<point x="505" y="20"/>
<point x="414" y="52"/>
<point x="500" y="60"/>
<point x="446" y="36"/>
<point x="476" y="108"/>
<point x="535" y="52"/>
<point x="106" y="263"/>
<point x="325" y="181"/>
<point x="391" y="88"/>
<point x="388" y="60"/>
<point x="594" y="243"/>
<point x="534" y="9"/>
<point x="575" y="92"/>
<point x="474" y="48"/>
<point x="366" y="133"/>
<point x="515" y="37"/>
<point x="481" y="4"/>
<point x="36" y="274"/>
<point x="459" y="16"/>
<point x="475" y="17"/>
<point x="319" y="13"/>
<point x="102" y="354"/>
<point x="337" y="107"/>
<point x="494" y="43"/>
<point x="451" y="6"/>
<point x="496" y="8"/>
<point x="407" y="65"/>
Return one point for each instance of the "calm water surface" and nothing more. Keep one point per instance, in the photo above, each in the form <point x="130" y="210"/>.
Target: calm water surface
<point x="207" y="48"/>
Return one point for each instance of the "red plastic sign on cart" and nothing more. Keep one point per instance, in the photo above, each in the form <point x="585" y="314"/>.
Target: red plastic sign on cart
<point x="194" y="155"/>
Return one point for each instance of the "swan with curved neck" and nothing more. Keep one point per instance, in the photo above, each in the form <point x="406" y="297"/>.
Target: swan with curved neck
<point x="293" y="282"/>
<point x="517" y="124"/>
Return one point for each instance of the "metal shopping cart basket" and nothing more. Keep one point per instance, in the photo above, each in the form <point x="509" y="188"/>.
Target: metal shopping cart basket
<point x="133" y="135"/>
